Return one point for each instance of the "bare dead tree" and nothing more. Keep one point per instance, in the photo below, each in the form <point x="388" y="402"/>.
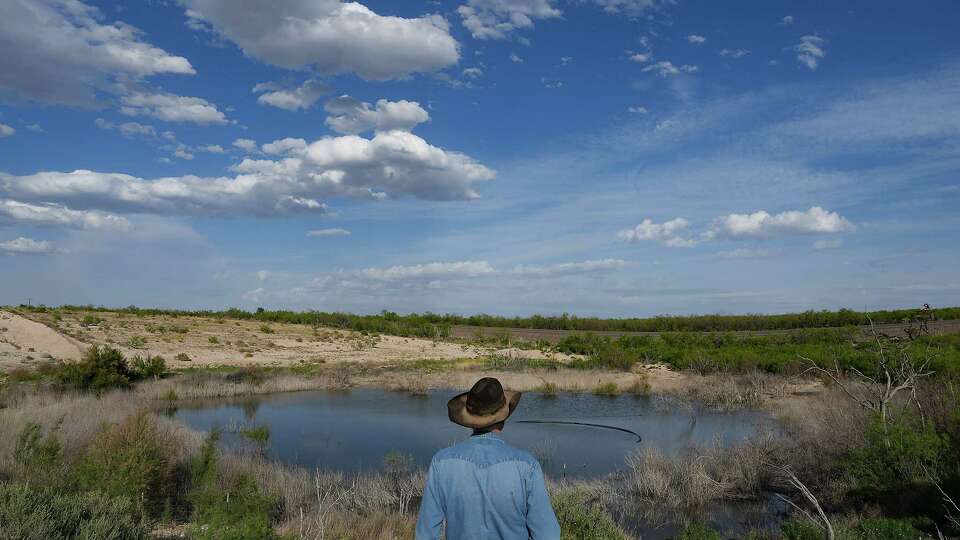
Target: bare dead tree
<point x="821" y="520"/>
<point x="895" y="371"/>
<point x="328" y="498"/>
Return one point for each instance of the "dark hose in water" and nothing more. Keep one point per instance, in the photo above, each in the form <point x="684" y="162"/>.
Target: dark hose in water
<point x="602" y="426"/>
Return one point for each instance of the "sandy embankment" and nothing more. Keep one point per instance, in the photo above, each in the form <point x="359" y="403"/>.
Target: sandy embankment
<point x="23" y="342"/>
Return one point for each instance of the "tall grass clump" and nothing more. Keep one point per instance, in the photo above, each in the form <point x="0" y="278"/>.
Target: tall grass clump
<point x="582" y="518"/>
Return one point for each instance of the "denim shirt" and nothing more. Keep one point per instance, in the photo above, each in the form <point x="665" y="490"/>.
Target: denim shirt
<point x="486" y="489"/>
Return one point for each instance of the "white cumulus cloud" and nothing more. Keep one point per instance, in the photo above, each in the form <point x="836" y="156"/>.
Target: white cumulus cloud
<point x="6" y="131"/>
<point x="330" y="36"/>
<point x="171" y="108"/>
<point x="497" y="19"/>
<point x="53" y="215"/>
<point x="763" y="224"/>
<point x="291" y="99"/>
<point x="63" y="52"/>
<point x="247" y="145"/>
<point x="26" y="246"/>
<point x="810" y="51"/>
<point x="696" y="39"/>
<point x="352" y="116"/>
<point x="391" y="164"/>
<point x="669" y="233"/>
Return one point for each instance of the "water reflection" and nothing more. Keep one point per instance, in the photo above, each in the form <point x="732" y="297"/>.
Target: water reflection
<point x="353" y="431"/>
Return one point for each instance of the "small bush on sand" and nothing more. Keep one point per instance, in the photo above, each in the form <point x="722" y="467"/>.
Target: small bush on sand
<point x="182" y="357"/>
<point x="29" y="513"/>
<point x="136" y="342"/>
<point x="101" y="368"/>
<point x="151" y="367"/>
<point x="582" y="519"/>
<point x="213" y="340"/>
<point x="266" y="329"/>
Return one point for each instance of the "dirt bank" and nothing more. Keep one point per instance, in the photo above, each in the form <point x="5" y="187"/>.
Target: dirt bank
<point x="23" y="342"/>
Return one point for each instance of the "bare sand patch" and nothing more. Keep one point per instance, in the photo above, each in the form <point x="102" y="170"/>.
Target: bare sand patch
<point x="23" y="342"/>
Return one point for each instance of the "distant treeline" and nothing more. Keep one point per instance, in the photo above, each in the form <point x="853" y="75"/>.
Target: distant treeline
<point x="436" y="325"/>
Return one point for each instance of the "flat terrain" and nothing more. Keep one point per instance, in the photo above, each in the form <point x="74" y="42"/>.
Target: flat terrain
<point x="373" y="360"/>
<point x="198" y="341"/>
<point x="554" y="336"/>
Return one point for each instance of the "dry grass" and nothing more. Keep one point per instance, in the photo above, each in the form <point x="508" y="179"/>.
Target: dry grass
<point x="699" y="477"/>
<point x="346" y="526"/>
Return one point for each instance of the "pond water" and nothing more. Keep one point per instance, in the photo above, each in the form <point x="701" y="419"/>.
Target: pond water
<point x="352" y="431"/>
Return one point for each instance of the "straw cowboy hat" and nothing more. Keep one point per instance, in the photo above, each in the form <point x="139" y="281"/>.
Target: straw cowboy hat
<point x="486" y="404"/>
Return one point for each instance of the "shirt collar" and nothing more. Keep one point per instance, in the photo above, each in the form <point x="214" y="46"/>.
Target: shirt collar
<point x="487" y="436"/>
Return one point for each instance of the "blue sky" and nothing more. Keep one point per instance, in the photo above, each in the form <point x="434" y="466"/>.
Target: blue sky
<point x="598" y="157"/>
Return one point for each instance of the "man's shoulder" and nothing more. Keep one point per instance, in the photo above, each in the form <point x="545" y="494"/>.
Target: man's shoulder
<point x="483" y="453"/>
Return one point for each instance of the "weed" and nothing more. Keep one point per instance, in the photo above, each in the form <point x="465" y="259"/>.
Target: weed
<point x="548" y="389"/>
<point x="213" y="340"/>
<point x="136" y="342"/>
<point x="266" y="329"/>
<point x="583" y="519"/>
<point x="182" y="357"/>
<point x="698" y="532"/>
<point x="609" y="389"/>
<point x="259" y="434"/>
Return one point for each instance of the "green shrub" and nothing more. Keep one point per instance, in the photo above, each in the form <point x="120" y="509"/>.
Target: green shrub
<point x="132" y="460"/>
<point x="698" y="532"/>
<point x="867" y="529"/>
<point x="183" y="357"/>
<point x="888" y="529"/>
<point x="240" y="512"/>
<point x="153" y="367"/>
<point x="582" y="519"/>
<point x="896" y="458"/>
<point x="90" y="320"/>
<point x="213" y="339"/>
<point x="136" y="342"/>
<point x="101" y="368"/>
<point x="32" y="514"/>
<point x="266" y="329"/>
<point x="258" y="434"/>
